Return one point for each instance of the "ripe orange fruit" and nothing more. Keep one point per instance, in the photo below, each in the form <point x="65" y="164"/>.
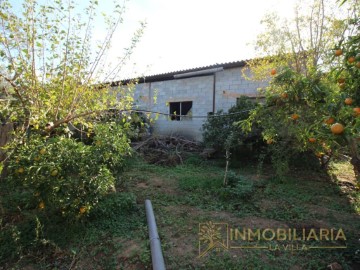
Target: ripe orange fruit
<point x="351" y="59"/>
<point x="337" y="128"/>
<point x="295" y="116"/>
<point x="273" y="72"/>
<point x="348" y="101"/>
<point x="330" y="120"/>
<point x="338" y="52"/>
<point x="41" y="205"/>
<point x="54" y="172"/>
<point x="312" y="140"/>
<point x="284" y="95"/>
<point x="270" y="141"/>
<point x="21" y="170"/>
<point x="42" y="151"/>
<point x="356" y="111"/>
<point x="82" y="209"/>
<point x="341" y="80"/>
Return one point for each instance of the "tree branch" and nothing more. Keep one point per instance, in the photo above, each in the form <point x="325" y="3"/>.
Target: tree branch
<point x="15" y="89"/>
<point x="65" y="62"/>
<point x="69" y="118"/>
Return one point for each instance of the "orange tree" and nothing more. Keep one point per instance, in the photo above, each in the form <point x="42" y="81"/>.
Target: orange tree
<point x="53" y="76"/>
<point x="347" y="74"/>
<point x="53" y="71"/>
<point x="62" y="176"/>
<point x="316" y="111"/>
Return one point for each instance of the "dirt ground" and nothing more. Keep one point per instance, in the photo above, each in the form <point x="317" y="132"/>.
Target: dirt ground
<point x="178" y="224"/>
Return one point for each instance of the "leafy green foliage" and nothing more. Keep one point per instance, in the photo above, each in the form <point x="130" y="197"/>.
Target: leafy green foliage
<point x="221" y="130"/>
<point x="115" y="204"/>
<point x="134" y="124"/>
<point x="301" y="42"/>
<point x="51" y="74"/>
<point x="10" y="247"/>
<point x="238" y="187"/>
<point x="302" y="105"/>
<point x="111" y="146"/>
<point x="65" y="176"/>
<point x="115" y="216"/>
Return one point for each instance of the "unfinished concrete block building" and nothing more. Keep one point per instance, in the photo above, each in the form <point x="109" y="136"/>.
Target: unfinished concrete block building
<point x="184" y="98"/>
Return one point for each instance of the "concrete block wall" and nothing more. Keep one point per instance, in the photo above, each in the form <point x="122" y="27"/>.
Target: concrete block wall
<point x="142" y="96"/>
<point x="199" y="90"/>
<point x="230" y="84"/>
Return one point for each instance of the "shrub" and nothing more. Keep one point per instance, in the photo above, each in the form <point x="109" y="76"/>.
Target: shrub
<point x="133" y="124"/>
<point x="221" y="130"/>
<point x="110" y="146"/>
<point x="9" y="242"/>
<point x="238" y="187"/>
<point x="63" y="175"/>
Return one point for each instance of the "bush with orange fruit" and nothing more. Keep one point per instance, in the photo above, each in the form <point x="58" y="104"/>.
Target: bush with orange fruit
<point x="62" y="175"/>
<point x="327" y="118"/>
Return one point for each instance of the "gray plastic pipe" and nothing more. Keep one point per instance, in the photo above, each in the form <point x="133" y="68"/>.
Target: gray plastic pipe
<point x="155" y="245"/>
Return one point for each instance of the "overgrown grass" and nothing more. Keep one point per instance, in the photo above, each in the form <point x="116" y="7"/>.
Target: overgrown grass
<point x="305" y="199"/>
<point x="50" y="242"/>
<point x="115" y="235"/>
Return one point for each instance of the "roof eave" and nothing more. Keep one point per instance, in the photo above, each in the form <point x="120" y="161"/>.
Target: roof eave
<point x="194" y="72"/>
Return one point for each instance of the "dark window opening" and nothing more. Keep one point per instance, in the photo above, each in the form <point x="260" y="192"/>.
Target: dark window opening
<point x="180" y="109"/>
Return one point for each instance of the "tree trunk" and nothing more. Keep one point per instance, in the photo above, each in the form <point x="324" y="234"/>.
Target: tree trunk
<point x="355" y="158"/>
<point x="5" y="137"/>
<point x="226" y="167"/>
<point x="355" y="161"/>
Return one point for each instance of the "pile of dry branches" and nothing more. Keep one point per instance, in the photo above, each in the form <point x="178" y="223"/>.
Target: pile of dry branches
<point x="166" y="150"/>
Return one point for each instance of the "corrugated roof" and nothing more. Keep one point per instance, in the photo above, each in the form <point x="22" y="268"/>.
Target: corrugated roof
<point x="170" y="75"/>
